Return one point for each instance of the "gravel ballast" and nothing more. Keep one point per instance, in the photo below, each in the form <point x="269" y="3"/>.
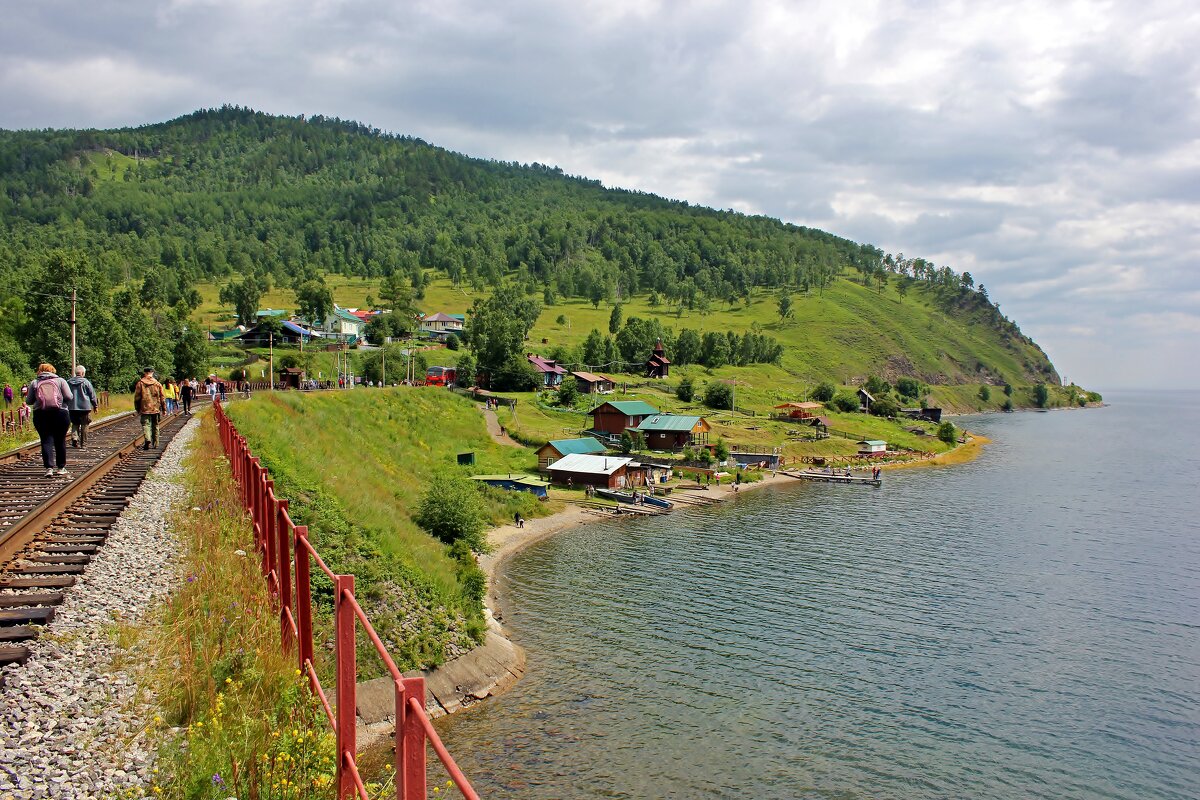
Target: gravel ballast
<point x="73" y="722"/>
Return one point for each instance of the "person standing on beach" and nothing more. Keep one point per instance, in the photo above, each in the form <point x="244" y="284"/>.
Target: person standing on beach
<point x="148" y="401"/>
<point x="49" y="396"/>
<point x="81" y="406"/>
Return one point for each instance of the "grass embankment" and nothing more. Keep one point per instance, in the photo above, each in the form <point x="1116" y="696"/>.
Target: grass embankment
<point x="354" y="465"/>
<point x="236" y="718"/>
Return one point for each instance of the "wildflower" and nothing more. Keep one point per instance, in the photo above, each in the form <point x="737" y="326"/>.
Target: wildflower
<point x="228" y="680"/>
<point x="216" y="779"/>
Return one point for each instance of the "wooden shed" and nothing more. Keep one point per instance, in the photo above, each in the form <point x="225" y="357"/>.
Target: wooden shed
<point x="872" y="447"/>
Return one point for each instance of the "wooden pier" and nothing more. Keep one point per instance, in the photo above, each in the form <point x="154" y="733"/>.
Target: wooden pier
<point x="832" y="477"/>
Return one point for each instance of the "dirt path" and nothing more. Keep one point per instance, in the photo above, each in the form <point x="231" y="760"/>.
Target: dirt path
<point x="494" y="430"/>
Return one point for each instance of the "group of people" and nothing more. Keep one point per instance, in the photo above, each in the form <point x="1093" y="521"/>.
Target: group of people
<point x="59" y="406"/>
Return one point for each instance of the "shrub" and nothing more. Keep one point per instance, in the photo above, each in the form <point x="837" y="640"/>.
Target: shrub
<point x="1008" y="390"/>
<point x="568" y="393"/>
<point x="824" y="392"/>
<point x="947" y="432"/>
<point x="1008" y="404"/>
<point x="985" y="394"/>
<point x="718" y="394"/>
<point x="452" y="510"/>
<point x="686" y="390"/>
<point x="877" y="385"/>
<point x="844" y="401"/>
<point x="706" y="457"/>
<point x="452" y="342"/>
<point x="885" y="407"/>
<point x="721" y="451"/>
<point x="908" y="387"/>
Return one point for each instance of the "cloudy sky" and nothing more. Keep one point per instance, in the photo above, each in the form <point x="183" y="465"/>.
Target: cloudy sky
<point x="1050" y="148"/>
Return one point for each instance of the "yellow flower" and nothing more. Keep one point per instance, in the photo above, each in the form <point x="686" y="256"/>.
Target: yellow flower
<point x="228" y="680"/>
<point x="158" y="790"/>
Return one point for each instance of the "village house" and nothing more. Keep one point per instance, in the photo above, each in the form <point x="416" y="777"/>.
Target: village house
<point x="440" y="324"/>
<point x="872" y="448"/>
<point x="343" y="325"/>
<point x="615" y="416"/>
<point x="674" y="431"/>
<point x="552" y="451"/>
<point x="658" y="366"/>
<point x="590" y="383"/>
<point x="552" y="374"/>
<point x="580" y="469"/>
<point x="865" y="400"/>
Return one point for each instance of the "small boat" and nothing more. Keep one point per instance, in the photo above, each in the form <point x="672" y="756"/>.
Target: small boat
<point x="627" y="497"/>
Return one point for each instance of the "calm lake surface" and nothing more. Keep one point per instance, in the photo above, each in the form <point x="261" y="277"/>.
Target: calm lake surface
<point x="1027" y="625"/>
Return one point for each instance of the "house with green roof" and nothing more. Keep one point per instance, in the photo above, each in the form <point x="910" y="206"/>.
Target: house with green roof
<point x="552" y="451"/>
<point x="617" y="416"/>
<point x="341" y="324"/>
<point x="673" y="431"/>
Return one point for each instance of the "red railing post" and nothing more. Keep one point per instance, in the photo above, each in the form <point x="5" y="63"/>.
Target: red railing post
<point x="270" y="519"/>
<point x="410" y="742"/>
<point x="304" y="626"/>
<point x="347" y="674"/>
<point x="283" y="543"/>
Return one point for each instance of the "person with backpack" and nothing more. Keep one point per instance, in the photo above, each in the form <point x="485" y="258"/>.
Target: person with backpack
<point x="148" y="401"/>
<point x="49" y="395"/>
<point x="81" y="406"/>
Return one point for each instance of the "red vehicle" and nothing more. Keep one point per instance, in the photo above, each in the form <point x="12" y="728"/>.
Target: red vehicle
<point x="440" y="376"/>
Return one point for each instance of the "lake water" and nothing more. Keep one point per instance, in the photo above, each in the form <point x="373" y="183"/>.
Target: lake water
<point x="1025" y="626"/>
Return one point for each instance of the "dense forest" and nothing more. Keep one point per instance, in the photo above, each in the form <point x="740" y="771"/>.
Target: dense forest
<point x="134" y="219"/>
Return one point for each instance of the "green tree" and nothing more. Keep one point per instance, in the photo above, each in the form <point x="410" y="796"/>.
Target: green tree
<point x="614" y="319"/>
<point x="686" y="390"/>
<point x="877" y="386"/>
<point x="985" y="394"/>
<point x="785" y="306"/>
<point x="453" y="342"/>
<point x="908" y="387"/>
<point x="244" y="297"/>
<point x="718" y="394"/>
<point x="844" y="401"/>
<point x="824" y="392"/>
<point x="687" y="347"/>
<point x="314" y="301"/>
<point x="1041" y="395"/>
<point x="496" y="333"/>
<point x="721" y="450"/>
<point x="885" y="406"/>
<point x="465" y="370"/>
<point x="1008" y="390"/>
<point x="452" y="509"/>
<point x="593" y="349"/>
<point x="947" y="432"/>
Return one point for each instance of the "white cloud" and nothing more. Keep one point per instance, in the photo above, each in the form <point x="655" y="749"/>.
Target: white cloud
<point x="1052" y="149"/>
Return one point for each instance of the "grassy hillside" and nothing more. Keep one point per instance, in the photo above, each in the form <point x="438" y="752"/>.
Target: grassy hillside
<point x="354" y="465"/>
<point x="174" y="211"/>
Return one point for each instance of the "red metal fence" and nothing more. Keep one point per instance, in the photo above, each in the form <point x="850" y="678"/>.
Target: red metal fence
<point x="280" y="542"/>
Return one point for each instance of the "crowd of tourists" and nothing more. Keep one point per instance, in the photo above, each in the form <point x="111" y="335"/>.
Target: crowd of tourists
<point x="62" y="408"/>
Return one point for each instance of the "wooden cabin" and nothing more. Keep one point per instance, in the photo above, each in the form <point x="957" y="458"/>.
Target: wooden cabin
<point x="552" y="374"/>
<point x="590" y="383"/>
<point x="581" y="469"/>
<point x="552" y="451"/>
<point x="615" y="416"/>
<point x="674" y="431"/>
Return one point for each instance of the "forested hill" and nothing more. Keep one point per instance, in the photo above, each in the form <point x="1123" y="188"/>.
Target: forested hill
<point x="232" y="192"/>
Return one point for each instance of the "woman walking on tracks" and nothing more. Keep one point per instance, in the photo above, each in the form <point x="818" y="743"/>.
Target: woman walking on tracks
<point x="49" y="396"/>
<point x="81" y="406"/>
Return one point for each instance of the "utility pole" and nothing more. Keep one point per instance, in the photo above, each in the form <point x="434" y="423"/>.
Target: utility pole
<point x="74" y="360"/>
<point x="271" y="344"/>
<point x="383" y="361"/>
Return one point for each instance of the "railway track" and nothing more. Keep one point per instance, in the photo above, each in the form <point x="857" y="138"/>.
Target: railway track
<point x="52" y="528"/>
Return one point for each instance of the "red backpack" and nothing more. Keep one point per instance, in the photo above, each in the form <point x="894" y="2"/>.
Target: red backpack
<point x="48" y="394"/>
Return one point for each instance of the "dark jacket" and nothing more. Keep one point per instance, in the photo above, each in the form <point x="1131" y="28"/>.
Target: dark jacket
<point x="65" y="390"/>
<point x="84" y="395"/>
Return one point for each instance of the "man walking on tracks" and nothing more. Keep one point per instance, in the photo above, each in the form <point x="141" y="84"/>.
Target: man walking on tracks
<point x="49" y="396"/>
<point x="83" y="401"/>
<point x="148" y="401"/>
